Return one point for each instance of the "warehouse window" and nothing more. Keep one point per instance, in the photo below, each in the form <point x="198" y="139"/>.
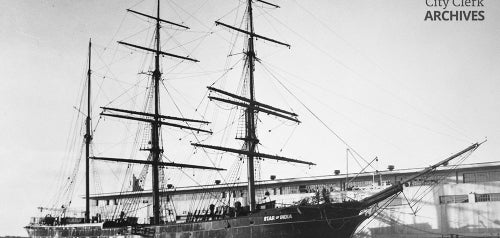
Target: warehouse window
<point x="488" y="197"/>
<point x="469" y="177"/>
<point x="494" y="176"/>
<point x="480" y="177"/>
<point x="453" y="199"/>
<point x="482" y="197"/>
<point x="494" y="196"/>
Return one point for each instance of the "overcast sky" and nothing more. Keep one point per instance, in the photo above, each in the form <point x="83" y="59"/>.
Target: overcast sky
<point x="389" y="83"/>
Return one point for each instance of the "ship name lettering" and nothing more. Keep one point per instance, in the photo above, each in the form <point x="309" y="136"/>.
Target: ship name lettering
<point x="278" y="217"/>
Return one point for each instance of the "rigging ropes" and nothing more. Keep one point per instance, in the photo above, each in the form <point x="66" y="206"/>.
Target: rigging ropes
<point x="314" y="114"/>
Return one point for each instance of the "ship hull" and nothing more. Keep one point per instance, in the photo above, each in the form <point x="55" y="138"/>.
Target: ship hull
<point x="325" y="221"/>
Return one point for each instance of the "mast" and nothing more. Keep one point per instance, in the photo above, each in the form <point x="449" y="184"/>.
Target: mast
<point x="346" y="169"/>
<point x="155" y="118"/>
<point x="88" y="140"/>
<point x="252" y="107"/>
<point x="251" y="137"/>
<point x="155" y="125"/>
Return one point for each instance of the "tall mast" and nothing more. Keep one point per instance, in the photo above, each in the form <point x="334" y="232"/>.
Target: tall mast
<point x="155" y="118"/>
<point x="251" y="137"/>
<point x="252" y="107"/>
<point x="155" y="125"/>
<point x="88" y="140"/>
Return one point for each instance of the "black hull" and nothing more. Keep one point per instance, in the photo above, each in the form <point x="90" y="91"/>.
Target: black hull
<point x="321" y="221"/>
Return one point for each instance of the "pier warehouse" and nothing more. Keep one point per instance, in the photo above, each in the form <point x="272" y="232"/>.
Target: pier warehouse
<point x="466" y="202"/>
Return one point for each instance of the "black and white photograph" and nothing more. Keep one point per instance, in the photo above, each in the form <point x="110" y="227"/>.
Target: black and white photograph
<point x="250" y="118"/>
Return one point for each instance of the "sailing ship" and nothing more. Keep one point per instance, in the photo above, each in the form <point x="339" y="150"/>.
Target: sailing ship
<point x="321" y="219"/>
